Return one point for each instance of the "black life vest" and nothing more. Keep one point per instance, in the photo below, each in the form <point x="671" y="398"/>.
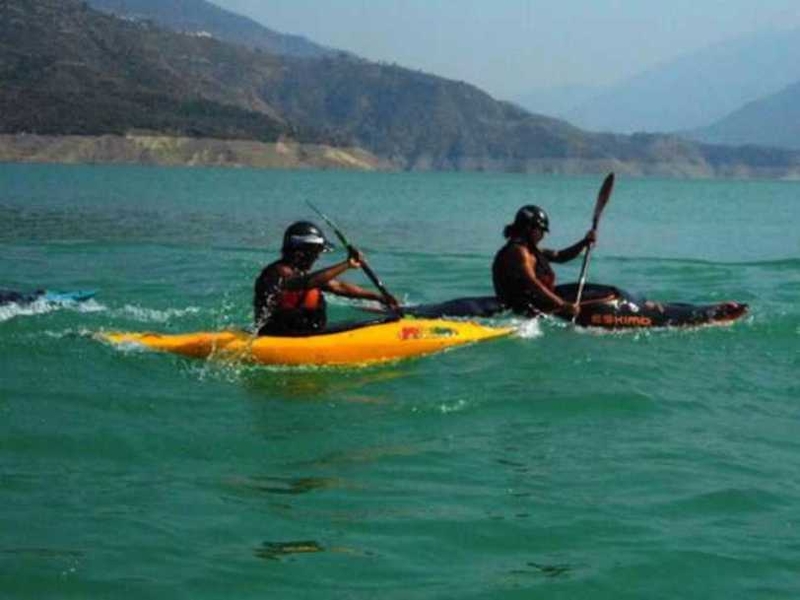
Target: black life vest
<point x="279" y="311"/>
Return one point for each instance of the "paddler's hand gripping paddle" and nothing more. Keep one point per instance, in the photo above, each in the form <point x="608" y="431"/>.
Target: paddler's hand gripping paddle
<point x="602" y="199"/>
<point x="364" y="265"/>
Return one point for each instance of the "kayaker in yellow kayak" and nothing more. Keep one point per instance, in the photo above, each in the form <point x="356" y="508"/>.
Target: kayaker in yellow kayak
<point x="288" y="300"/>
<point x="523" y="279"/>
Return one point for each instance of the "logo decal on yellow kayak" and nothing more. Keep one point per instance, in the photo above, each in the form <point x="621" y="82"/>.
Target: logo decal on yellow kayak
<point x="423" y="333"/>
<point x="621" y="321"/>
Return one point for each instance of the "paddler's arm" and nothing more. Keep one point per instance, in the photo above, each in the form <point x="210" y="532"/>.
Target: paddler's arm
<point x="317" y="279"/>
<point x="528" y="262"/>
<point x="571" y="252"/>
<point x="351" y="290"/>
<point x="325" y="280"/>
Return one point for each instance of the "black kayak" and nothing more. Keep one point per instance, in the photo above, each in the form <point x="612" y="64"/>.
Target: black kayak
<point x="602" y="306"/>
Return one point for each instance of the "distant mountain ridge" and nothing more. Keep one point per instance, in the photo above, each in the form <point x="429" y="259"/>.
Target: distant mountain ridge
<point x="696" y="89"/>
<point x="771" y="121"/>
<point x="68" y="69"/>
<point x="202" y="17"/>
<point x="557" y="101"/>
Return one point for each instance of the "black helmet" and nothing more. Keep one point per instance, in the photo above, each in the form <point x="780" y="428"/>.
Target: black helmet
<point x="304" y="233"/>
<point x="530" y="216"/>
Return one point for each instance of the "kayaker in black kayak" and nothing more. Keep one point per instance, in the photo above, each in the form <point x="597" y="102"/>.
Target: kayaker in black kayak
<point x="523" y="279"/>
<point x="289" y="300"/>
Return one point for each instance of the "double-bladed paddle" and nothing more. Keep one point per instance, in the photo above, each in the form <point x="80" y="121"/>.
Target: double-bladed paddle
<point x="364" y="265"/>
<point x="602" y="199"/>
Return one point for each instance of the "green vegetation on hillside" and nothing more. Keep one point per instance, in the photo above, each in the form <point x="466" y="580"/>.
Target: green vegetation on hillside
<point x="66" y="69"/>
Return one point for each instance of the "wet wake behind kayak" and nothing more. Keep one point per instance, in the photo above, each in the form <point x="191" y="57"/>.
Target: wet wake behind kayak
<point x="555" y="463"/>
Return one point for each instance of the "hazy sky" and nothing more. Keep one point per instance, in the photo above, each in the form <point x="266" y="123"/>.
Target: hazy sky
<point x="510" y="46"/>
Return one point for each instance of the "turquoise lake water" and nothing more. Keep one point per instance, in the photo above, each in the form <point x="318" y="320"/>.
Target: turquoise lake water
<point x="553" y="464"/>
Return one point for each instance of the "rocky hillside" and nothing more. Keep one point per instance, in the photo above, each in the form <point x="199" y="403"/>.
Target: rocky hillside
<point x="68" y="69"/>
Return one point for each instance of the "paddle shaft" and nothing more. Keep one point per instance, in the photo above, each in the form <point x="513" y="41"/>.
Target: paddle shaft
<point x="602" y="199"/>
<point x="373" y="277"/>
<point x="582" y="280"/>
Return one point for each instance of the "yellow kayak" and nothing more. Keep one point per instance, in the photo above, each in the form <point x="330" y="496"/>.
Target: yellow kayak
<point x="358" y="345"/>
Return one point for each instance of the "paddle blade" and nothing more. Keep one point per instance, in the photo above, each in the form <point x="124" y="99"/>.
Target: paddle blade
<point x="602" y="198"/>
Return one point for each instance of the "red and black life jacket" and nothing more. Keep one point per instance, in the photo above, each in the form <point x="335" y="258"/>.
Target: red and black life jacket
<point x="279" y="311"/>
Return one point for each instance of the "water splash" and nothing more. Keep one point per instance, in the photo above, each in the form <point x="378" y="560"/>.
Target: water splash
<point x="453" y="407"/>
<point x="152" y="315"/>
<point x="529" y="329"/>
<point x="42" y="307"/>
<point x="81" y="332"/>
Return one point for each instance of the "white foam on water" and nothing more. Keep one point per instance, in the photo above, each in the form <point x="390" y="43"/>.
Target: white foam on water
<point x="636" y="333"/>
<point x="69" y="333"/>
<point x="529" y="329"/>
<point x="42" y="307"/>
<point x="453" y="407"/>
<point x="211" y="369"/>
<point x="152" y="315"/>
<point x="129" y="347"/>
<point x="88" y="306"/>
<point x="9" y="311"/>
